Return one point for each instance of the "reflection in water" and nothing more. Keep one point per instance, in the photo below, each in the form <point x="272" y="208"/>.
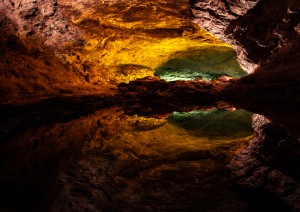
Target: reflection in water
<point x="114" y="162"/>
<point x="215" y="123"/>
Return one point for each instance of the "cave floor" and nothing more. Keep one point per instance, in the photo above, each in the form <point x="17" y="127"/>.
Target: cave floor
<point x="85" y="153"/>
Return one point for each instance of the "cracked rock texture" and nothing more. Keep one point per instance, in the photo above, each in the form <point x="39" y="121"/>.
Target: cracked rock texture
<point x="257" y="29"/>
<point x="41" y="20"/>
<point x="265" y="34"/>
<point x="30" y="58"/>
<point x="53" y="47"/>
<point x="270" y="163"/>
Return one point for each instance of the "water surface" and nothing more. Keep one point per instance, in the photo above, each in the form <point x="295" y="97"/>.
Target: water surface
<point x="108" y="160"/>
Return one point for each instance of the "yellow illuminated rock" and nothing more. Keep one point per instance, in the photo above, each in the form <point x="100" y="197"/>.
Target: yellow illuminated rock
<point x="126" y="40"/>
<point x="88" y="46"/>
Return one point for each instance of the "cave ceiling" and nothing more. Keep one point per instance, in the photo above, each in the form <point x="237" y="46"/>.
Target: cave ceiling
<point x="126" y="40"/>
<point x="68" y="46"/>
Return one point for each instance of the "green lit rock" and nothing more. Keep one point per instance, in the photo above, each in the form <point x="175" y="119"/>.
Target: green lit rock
<point x="207" y="63"/>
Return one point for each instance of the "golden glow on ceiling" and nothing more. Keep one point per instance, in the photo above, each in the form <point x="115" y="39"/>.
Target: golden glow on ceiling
<point x="127" y="40"/>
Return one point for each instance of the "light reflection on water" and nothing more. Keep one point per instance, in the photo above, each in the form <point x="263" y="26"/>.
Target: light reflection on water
<point x="215" y="122"/>
<point x="111" y="161"/>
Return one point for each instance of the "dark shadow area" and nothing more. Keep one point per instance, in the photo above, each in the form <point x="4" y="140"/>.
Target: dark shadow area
<point x="16" y="118"/>
<point x="102" y="153"/>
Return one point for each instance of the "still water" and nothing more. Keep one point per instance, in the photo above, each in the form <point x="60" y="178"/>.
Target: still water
<point x="110" y="161"/>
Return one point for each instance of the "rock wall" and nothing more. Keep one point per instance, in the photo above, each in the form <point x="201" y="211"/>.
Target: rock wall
<point x="90" y="45"/>
<point x="270" y="163"/>
<point x="33" y="34"/>
<point x="42" y="20"/>
<point x="257" y="29"/>
<point x="266" y="37"/>
<point x="265" y="34"/>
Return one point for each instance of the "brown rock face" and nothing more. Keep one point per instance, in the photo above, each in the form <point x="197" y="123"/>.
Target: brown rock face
<point x="155" y="97"/>
<point x="265" y="34"/>
<point x="258" y="29"/>
<point x="90" y="45"/>
<point x="42" y="20"/>
<point x="32" y="33"/>
<point x="270" y="163"/>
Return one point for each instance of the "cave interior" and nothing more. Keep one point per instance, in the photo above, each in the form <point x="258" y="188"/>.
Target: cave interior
<point x="150" y="105"/>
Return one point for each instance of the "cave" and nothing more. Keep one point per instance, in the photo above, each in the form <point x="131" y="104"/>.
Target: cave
<point x="159" y="105"/>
